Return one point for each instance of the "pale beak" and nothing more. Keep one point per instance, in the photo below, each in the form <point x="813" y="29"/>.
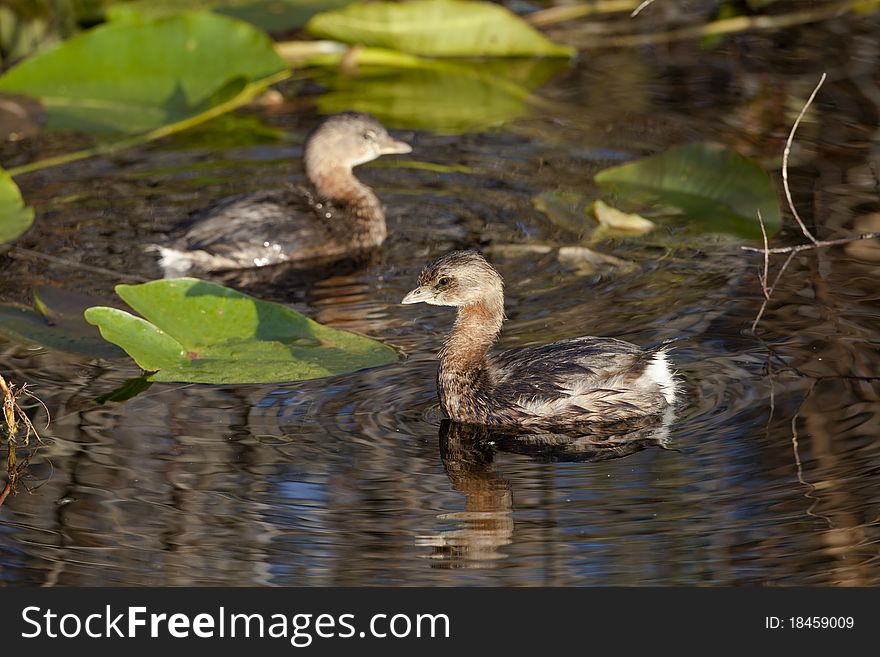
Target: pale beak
<point x="419" y="295"/>
<point x="390" y="146"/>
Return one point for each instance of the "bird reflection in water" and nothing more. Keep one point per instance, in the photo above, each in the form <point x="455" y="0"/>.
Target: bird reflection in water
<point x="486" y="525"/>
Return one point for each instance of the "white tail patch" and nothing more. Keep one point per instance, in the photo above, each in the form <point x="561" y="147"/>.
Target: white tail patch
<point x="173" y="262"/>
<point x="659" y="373"/>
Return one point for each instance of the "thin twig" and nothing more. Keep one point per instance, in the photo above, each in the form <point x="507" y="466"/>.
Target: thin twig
<point x="735" y="24"/>
<point x="769" y="293"/>
<point x="763" y="277"/>
<point x="787" y="151"/>
<point x="55" y="260"/>
<point x="798" y="248"/>
<point x="816" y="245"/>
<point x="562" y="13"/>
<point x="640" y="7"/>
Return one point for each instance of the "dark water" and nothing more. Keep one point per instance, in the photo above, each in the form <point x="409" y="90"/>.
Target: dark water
<point x="768" y="474"/>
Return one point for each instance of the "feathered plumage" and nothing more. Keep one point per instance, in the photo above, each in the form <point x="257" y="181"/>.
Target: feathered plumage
<point x="585" y="380"/>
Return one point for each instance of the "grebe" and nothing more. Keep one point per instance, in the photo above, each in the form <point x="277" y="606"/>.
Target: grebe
<point x="583" y="380"/>
<point x="335" y="217"/>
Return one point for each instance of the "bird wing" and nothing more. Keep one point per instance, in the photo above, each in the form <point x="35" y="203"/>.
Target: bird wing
<point x="555" y="370"/>
<point x="256" y="223"/>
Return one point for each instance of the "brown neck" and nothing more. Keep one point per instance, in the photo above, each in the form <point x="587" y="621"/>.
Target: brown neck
<point x="338" y="185"/>
<point x="477" y="326"/>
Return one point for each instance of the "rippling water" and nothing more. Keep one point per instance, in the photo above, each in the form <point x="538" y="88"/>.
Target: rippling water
<point x="766" y="475"/>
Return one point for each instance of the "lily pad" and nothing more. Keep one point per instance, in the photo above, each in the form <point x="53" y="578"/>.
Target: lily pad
<point x="199" y="332"/>
<point x="272" y="16"/>
<point x="15" y="216"/>
<point x="136" y="77"/>
<point x="428" y="94"/>
<point x="707" y="183"/>
<point x="57" y="323"/>
<point x="437" y="28"/>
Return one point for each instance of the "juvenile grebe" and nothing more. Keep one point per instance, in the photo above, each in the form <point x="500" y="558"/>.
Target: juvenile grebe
<point x="335" y="217"/>
<point x="579" y="381"/>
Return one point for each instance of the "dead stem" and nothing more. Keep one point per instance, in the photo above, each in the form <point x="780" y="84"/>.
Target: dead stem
<point x="638" y="9"/>
<point x="736" y="24"/>
<point x="14" y="418"/>
<point x="564" y="13"/>
<point x="787" y="151"/>
<point x="14" y="251"/>
<point x="798" y="248"/>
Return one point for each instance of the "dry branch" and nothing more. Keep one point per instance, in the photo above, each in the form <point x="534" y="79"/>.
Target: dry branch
<point x="813" y="244"/>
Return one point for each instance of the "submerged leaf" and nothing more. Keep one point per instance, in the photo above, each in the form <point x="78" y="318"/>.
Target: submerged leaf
<point x="199" y="332"/>
<point x="132" y="78"/>
<point x="437" y="28"/>
<point x="56" y="323"/>
<point x="707" y="183"/>
<point x="568" y="210"/>
<point x="15" y="216"/>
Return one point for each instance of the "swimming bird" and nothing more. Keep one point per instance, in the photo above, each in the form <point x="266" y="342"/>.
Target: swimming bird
<point x="585" y="380"/>
<point x="334" y="217"/>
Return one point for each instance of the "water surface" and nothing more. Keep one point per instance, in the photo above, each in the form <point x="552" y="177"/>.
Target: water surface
<point x="767" y="475"/>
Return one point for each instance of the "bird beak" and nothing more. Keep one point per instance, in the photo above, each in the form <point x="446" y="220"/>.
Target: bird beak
<point x="419" y="295"/>
<point x="390" y="146"/>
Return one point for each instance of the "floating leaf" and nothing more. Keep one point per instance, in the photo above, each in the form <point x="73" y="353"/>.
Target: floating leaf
<point x="201" y="332"/>
<point x="57" y="323"/>
<point x="132" y="78"/>
<point x="708" y="183"/>
<point x="568" y="210"/>
<point x="428" y="94"/>
<point x="268" y="15"/>
<point x="15" y="216"/>
<point x="619" y="222"/>
<point x="437" y="28"/>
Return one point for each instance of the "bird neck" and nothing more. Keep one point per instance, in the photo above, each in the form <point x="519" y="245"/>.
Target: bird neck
<point x="337" y="185"/>
<point x="463" y="356"/>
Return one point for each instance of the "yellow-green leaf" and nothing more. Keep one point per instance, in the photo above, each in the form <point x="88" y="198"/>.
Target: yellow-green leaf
<point x="437" y="28"/>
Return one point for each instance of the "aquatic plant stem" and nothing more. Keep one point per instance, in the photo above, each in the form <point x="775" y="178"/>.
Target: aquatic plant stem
<point x="246" y="95"/>
<point x="13" y="249"/>
<point x="737" y="24"/>
<point x="638" y="9"/>
<point x="813" y="244"/>
<point x="564" y="13"/>
<point x="787" y="151"/>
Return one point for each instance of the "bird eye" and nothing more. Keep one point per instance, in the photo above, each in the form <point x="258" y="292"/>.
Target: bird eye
<point x="443" y="281"/>
<point x="370" y="135"/>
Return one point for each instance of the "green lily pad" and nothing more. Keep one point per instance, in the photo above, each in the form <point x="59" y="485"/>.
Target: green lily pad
<point x="136" y="77"/>
<point x="57" y="323"/>
<point x="199" y="332"/>
<point x="428" y="95"/>
<point x="15" y="216"/>
<point x="437" y="28"/>
<point x="270" y="15"/>
<point x="707" y="183"/>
